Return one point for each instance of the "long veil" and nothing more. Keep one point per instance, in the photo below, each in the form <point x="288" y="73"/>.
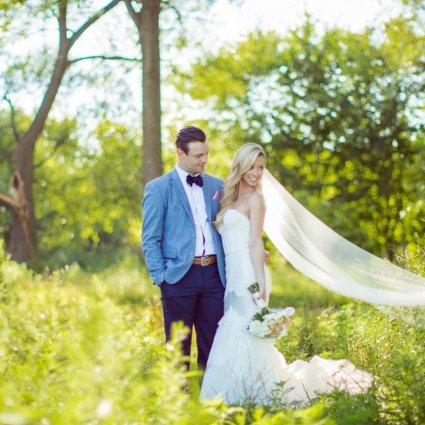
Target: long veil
<point x="332" y="261"/>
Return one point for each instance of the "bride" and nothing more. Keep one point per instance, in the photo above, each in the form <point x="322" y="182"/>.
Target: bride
<point x="243" y="367"/>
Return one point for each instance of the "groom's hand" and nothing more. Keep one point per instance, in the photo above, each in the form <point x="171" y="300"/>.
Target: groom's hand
<point x="266" y="256"/>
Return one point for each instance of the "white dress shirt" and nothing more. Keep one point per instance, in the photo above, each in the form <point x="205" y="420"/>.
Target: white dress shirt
<point x="196" y="199"/>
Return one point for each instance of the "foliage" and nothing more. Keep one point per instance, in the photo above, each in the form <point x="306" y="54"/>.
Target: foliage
<point x="383" y="344"/>
<point x="73" y="356"/>
<point x="88" y="196"/>
<point x="79" y="348"/>
<point x="76" y="349"/>
<point x="87" y="193"/>
<point x="339" y="115"/>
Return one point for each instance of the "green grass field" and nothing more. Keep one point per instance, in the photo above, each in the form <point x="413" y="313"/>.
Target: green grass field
<point x="87" y="348"/>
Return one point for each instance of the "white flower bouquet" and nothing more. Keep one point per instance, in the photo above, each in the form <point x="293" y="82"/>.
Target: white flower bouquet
<point x="267" y="322"/>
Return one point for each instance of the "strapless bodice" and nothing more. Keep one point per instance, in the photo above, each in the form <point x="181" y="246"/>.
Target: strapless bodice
<point x="235" y="232"/>
<point x="235" y="237"/>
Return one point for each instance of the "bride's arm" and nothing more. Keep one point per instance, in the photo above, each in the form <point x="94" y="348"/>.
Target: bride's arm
<point x="257" y="212"/>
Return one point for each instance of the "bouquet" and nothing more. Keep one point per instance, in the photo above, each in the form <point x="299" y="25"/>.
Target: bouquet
<point x="268" y="323"/>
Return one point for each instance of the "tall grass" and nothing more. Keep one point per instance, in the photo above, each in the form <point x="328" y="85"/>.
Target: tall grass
<point x="87" y="348"/>
<point x="79" y="348"/>
<point x="376" y="340"/>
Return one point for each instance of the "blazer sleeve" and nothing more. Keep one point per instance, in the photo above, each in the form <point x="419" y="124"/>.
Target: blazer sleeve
<point x="153" y="208"/>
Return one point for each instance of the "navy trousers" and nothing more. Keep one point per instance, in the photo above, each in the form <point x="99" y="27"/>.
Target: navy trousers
<point x="196" y="300"/>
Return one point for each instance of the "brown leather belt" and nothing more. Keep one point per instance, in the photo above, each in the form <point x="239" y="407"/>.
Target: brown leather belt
<point x="204" y="261"/>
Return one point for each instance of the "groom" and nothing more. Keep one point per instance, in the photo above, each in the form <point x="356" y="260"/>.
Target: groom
<point x="182" y="248"/>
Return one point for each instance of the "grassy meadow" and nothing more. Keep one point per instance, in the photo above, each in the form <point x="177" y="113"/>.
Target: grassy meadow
<point x="87" y="348"/>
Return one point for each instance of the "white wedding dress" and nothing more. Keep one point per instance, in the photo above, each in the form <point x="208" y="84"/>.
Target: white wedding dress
<point x="242" y="367"/>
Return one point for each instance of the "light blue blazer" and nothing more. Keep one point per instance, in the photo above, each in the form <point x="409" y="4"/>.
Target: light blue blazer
<point x="168" y="231"/>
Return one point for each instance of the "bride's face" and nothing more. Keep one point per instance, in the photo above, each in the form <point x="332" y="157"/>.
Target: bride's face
<point x="254" y="175"/>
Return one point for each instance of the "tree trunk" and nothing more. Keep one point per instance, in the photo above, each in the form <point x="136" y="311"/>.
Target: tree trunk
<point x="147" y="24"/>
<point x="23" y="237"/>
<point x="20" y="217"/>
<point x="149" y="40"/>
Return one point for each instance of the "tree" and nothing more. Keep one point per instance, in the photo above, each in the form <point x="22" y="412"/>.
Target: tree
<point x="23" y="238"/>
<point x="334" y="114"/>
<point x="147" y="23"/>
<point x="87" y="198"/>
<point x="145" y="15"/>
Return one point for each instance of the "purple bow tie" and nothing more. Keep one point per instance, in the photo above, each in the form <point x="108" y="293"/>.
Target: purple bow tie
<point x="194" y="179"/>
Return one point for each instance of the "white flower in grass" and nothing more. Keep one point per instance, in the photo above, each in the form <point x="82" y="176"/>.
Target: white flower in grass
<point x="104" y="408"/>
<point x="12" y="418"/>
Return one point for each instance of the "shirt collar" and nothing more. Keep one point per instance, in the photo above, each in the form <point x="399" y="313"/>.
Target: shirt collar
<point x="183" y="174"/>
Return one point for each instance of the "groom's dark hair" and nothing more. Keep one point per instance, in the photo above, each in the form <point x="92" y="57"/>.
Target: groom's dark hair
<point x="189" y="134"/>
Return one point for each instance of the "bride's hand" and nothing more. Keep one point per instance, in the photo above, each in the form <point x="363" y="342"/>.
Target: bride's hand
<point x="260" y="297"/>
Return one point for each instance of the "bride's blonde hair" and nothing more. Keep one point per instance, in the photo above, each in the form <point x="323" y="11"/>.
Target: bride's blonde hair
<point x="242" y="162"/>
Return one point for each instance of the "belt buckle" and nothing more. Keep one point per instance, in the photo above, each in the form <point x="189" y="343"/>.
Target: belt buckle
<point x="205" y="261"/>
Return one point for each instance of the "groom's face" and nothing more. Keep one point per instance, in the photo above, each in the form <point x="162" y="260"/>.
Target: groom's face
<point x="196" y="159"/>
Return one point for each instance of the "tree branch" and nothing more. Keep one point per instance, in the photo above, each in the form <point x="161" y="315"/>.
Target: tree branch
<point x="103" y="57"/>
<point x="92" y="20"/>
<point x="136" y="16"/>
<point x="12" y="118"/>
<point x="178" y="14"/>
<point x="8" y="202"/>
<point x="62" y="23"/>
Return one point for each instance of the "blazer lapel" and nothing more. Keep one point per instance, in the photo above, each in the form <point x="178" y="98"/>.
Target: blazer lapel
<point x="178" y="187"/>
<point x="206" y="189"/>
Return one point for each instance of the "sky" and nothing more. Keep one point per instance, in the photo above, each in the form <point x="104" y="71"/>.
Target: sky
<point x="232" y="22"/>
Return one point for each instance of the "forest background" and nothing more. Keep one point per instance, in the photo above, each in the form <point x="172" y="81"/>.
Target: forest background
<point x="340" y="114"/>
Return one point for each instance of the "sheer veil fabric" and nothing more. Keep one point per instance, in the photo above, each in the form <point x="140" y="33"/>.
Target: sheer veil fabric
<point x="332" y="261"/>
